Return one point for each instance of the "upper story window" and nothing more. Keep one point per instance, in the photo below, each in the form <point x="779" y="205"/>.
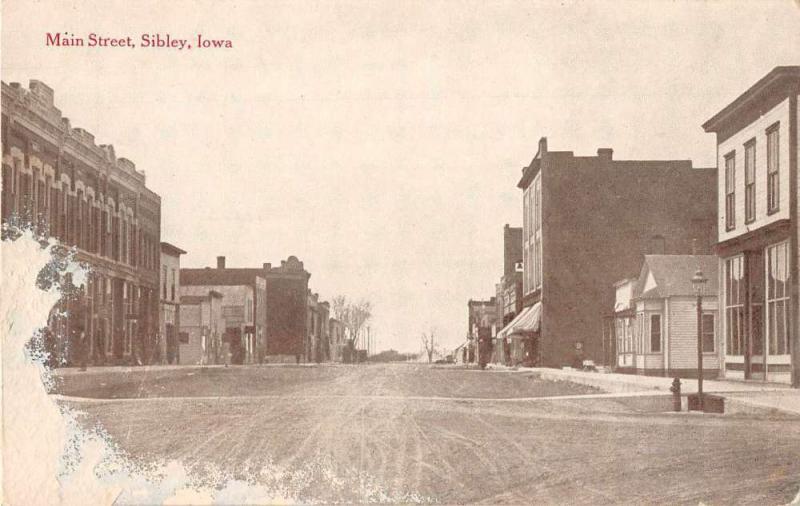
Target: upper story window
<point x="773" y="168"/>
<point x="750" y="181"/>
<point x="164" y="282"/>
<point x="730" y="190"/>
<point x="174" y="278"/>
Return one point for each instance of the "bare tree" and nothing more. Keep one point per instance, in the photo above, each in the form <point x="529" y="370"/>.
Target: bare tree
<point x="353" y="314"/>
<point x="428" y="341"/>
<point x="341" y="309"/>
<point x="360" y="312"/>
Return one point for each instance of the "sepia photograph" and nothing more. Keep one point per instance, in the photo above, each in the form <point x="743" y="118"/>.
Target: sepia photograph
<point x="400" y="252"/>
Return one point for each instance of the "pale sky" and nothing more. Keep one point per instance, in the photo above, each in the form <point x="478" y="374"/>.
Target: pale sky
<point x="381" y="142"/>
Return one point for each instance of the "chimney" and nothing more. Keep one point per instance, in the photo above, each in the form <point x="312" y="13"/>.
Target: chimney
<point x="605" y="153"/>
<point x="542" y="146"/>
<point x="220" y="262"/>
<point x="267" y="266"/>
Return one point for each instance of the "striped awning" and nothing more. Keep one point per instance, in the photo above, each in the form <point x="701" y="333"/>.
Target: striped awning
<point x="528" y="320"/>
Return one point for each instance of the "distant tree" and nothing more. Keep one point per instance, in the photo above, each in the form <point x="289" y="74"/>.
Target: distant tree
<point x="428" y="342"/>
<point x="353" y="314"/>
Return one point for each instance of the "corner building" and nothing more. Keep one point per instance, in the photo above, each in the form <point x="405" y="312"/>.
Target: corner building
<point x="587" y="219"/>
<point x="757" y="155"/>
<point x="58" y="179"/>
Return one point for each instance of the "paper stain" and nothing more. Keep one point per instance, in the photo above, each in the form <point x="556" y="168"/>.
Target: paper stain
<point x="49" y="458"/>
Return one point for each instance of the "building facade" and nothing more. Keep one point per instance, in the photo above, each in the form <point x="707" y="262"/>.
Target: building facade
<point x="508" y="291"/>
<point x="757" y="150"/>
<point x="317" y="347"/>
<point x="586" y="220"/>
<point x="481" y="327"/>
<point x="201" y="330"/>
<point x="511" y="281"/>
<point x="169" y="318"/>
<point x="244" y="307"/>
<point x="656" y="318"/>
<point x="338" y="343"/>
<point x="287" y="289"/>
<point x="57" y="178"/>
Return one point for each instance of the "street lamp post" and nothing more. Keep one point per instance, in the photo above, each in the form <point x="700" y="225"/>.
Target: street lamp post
<point x="698" y="283"/>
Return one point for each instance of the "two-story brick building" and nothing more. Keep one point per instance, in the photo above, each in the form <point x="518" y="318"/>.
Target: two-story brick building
<point x="757" y="155"/>
<point x="287" y="288"/>
<point x="58" y="179"/>
<point x="586" y="221"/>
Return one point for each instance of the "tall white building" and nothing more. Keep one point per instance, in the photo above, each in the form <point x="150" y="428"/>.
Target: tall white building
<point x="757" y="156"/>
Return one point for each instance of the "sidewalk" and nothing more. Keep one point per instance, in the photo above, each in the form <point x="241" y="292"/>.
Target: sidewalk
<point x="122" y="369"/>
<point x="740" y="396"/>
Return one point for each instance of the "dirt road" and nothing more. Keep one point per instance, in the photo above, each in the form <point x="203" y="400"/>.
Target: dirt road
<point x="400" y="433"/>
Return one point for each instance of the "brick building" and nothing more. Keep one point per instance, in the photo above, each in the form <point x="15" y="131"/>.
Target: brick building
<point x="757" y="156"/>
<point x="511" y="282"/>
<point x="244" y="307"/>
<point x="58" y="179"/>
<point x="287" y="288"/>
<point x="285" y="306"/>
<point x="587" y="220"/>
<point x="509" y="290"/>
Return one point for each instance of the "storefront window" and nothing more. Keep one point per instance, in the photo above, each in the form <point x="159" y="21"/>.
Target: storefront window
<point x="778" y="298"/>
<point x="734" y="305"/>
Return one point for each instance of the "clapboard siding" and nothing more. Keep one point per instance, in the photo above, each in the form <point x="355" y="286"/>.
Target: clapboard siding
<point x="654" y="361"/>
<point x="757" y="131"/>
<point x="683" y="333"/>
<point x="192" y="351"/>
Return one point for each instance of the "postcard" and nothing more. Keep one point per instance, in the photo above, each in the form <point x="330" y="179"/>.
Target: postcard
<point x="353" y="252"/>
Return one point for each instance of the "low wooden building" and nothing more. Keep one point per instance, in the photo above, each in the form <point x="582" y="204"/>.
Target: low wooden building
<point x="655" y="320"/>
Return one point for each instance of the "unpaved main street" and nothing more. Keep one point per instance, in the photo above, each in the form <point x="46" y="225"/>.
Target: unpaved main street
<point x="411" y="432"/>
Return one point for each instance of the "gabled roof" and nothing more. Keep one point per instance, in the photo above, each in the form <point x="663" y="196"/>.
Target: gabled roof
<point x="171" y="249"/>
<point x="671" y="275"/>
